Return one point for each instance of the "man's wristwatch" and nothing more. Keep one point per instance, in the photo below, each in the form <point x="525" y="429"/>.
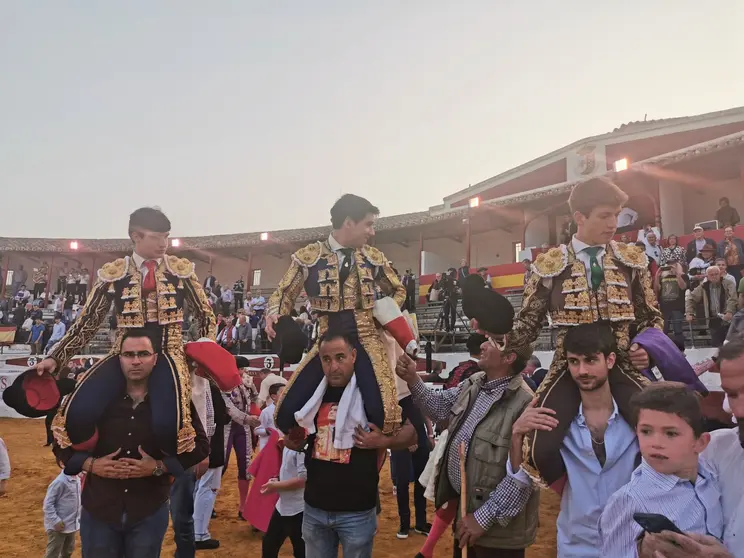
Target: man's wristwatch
<point x="158" y="471"/>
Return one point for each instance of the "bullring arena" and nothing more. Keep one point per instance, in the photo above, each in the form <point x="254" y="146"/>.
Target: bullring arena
<point x="22" y="533"/>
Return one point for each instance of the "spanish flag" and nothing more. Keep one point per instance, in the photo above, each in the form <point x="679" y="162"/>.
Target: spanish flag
<point x="7" y="335"/>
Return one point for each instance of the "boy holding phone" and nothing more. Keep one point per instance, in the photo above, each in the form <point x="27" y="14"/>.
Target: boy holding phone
<point x="672" y="482"/>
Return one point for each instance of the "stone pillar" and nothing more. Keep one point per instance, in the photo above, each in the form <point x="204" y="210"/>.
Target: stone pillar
<point x="671" y="207"/>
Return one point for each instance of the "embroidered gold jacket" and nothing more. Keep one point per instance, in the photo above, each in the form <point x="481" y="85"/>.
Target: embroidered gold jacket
<point x="316" y="268"/>
<point x="558" y="287"/>
<point x="120" y="283"/>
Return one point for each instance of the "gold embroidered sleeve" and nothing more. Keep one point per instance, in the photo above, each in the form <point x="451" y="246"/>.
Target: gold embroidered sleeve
<point x="529" y="322"/>
<point x="285" y="295"/>
<point x="199" y="305"/>
<point x="390" y="283"/>
<point x="86" y="325"/>
<point x="644" y="300"/>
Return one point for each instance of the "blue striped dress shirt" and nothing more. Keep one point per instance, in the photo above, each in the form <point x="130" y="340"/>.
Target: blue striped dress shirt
<point x="693" y="508"/>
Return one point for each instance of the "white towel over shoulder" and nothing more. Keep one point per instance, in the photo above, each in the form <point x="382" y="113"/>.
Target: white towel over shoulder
<point x="349" y="415"/>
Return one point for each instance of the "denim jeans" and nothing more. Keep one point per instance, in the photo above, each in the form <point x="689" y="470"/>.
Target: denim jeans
<point x="408" y="468"/>
<point x="182" y="514"/>
<point x="322" y="532"/>
<point x="204" y="498"/>
<point x="141" y="540"/>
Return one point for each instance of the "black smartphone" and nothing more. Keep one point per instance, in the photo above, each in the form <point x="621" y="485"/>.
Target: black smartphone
<point x="655" y="523"/>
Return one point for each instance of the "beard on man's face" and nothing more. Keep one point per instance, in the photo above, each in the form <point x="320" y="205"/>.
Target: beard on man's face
<point x="589" y="383"/>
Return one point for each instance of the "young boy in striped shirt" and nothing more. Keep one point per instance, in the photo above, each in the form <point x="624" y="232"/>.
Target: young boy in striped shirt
<point x="672" y="480"/>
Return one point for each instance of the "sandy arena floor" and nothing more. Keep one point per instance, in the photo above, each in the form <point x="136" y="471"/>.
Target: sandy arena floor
<point x="22" y="527"/>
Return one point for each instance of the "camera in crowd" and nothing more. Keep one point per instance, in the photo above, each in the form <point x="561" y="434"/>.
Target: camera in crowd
<point x="449" y="285"/>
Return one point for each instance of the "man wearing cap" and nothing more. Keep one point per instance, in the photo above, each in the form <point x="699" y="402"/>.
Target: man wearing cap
<point x="502" y="508"/>
<point x="148" y="289"/>
<point x="695" y="246"/>
<point x="352" y="286"/>
<point x="592" y="279"/>
<point x="483" y="272"/>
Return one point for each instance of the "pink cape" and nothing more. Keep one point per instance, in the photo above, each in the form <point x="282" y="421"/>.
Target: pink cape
<point x="259" y="508"/>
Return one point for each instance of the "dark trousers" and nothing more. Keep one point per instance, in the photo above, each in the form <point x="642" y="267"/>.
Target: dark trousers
<point x="38" y="289"/>
<point x="718" y="331"/>
<point x="182" y="514"/>
<point x="281" y="527"/>
<point x="449" y="312"/>
<point x="407" y="463"/>
<point x="484" y="552"/>
<point x="238" y="300"/>
<point x="140" y="540"/>
<point x="673" y="321"/>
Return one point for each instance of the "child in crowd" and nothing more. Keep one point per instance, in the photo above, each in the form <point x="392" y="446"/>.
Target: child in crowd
<point x="62" y="514"/>
<point x="287" y="518"/>
<point x="672" y="479"/>
<point x="267" y="416"/>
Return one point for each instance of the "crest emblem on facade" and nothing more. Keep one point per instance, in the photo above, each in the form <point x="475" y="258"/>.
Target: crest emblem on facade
<point x="269" y="362"/>
<point x="586" y="161"/>
<point x="31" y="362"/>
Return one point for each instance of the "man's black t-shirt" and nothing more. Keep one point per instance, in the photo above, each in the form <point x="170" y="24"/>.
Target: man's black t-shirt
<point x="339" y="480"/>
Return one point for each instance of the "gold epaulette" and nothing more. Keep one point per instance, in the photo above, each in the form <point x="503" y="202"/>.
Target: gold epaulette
<point x="374" y="255"/>
<point x="113" y="271"/>
<point x="180" y="267"/>
<point x="552" y="262"/>
<point x="309" y="255"/>
<point x="630" y="254"/>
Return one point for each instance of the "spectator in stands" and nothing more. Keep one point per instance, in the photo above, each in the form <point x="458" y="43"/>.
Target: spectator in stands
<point x="527" y="270"/>
<point x="36" y="336"/>
<point x="673" y="252"/>
<point x="725" y="275"/>
<point x="4" y="468"/>
<point x="435" y="288"/>
<point x="732" y="250"/>
<point x="529" y="370"/>
<point x="719" y="303"/>
<point x="726" y="215"/>
<point x="702" y="262"/>
<point x="467" y="368"/>
<point x="238" y="290"/>
<point x="62" y="278"/>
<point x="210" y="281"/>
<point x="696" y="245"/>
<point x="483" y="272"/>
<point x="23" y="295"/>
<point x="228" y="337"/>
<point x="227" y="300"/>
<point x="258" y="305"/>
<point x="58" y="332"/>
<point x="245" y="344"/>
<point x="409" y="282"/>
<point x="83" y="285"/>
<point x="71" y="283"/>
<point x="463" y="271"/>
<point x="19" y="279"/>
<point x="450" y="295"/>
<point x="670" y="284"/>
<point x="653" y="249"/>
<point x="67" y="307"/>
<point x="40" y="279"/>
<point x="539" y="373"/>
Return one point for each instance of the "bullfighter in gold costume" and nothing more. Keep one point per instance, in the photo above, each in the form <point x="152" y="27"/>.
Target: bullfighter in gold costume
<point x="592" y="279"/>
<point x="345" y="280"/>
<point x="148" y="289"/>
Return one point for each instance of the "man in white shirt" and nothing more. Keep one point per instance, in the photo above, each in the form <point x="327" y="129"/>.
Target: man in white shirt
<point x="725" y="458"/>
<point x="58" y="332"/>
<point x="267" y="416"/>
<point x="227" y="300"/>
<point x="653" y="250"/>
<point x="228" y="337"/>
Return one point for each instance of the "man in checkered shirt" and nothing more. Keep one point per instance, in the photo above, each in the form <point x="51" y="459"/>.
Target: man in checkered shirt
<point x="502" y="506"/>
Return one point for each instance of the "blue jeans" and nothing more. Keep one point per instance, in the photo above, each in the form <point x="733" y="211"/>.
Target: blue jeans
<point x="141" y="540"/>
<point x="182" y="514"/>
<point x="322" y="531"/>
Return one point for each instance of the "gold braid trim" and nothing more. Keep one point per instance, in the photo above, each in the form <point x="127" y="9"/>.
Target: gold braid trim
<point x="528" y="323"/>
<point x="283" y="299"/>
<point x="200" y="306"/>
<point x="370" y="340"/>
<point x="182" y="377"/>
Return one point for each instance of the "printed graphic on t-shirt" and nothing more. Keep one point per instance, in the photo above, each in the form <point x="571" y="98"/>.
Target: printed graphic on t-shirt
<point x="324" y="449"/>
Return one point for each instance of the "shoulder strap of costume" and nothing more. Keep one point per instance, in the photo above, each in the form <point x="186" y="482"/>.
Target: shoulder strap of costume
<point x="552" y="262"/>
<point x="180" y="267"/>
<point x="308" y="256"/>
<point x="373" y="255"/>
<point x="113" y="271"/>
<point x="629" y="254"/>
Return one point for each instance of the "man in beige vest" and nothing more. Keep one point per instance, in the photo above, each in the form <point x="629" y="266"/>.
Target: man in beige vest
<point x="502" y="507"/>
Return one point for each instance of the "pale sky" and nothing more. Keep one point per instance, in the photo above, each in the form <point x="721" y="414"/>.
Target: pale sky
<point x="240" y="116"/>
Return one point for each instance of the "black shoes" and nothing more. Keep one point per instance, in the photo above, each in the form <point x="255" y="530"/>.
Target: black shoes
<point x="403" y="532"/>
<point x="209" y="544"/>
<point x="423" y="529"/>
